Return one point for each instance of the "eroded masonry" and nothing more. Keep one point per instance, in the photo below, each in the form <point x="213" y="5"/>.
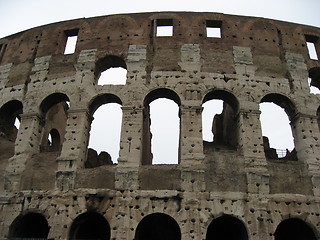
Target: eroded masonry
<point x="53" y="186"/>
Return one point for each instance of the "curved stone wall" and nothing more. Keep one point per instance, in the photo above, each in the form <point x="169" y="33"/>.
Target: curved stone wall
<point x="236" y="182"/>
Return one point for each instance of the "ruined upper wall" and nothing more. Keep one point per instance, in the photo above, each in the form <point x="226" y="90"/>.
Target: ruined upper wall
<point x="268" y="39"/>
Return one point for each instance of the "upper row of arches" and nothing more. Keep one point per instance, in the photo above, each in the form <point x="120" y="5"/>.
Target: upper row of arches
<point x="223" y="124"/>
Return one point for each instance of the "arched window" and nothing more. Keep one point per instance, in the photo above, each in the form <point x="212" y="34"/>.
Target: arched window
<point x="30" y="225"/>
<point x="294" y="229"/>
<point x="226" y="228"/>
<point x="314" y="79"/>
<point x="9" y="119"/>
<point x="54" y="109"/>
<point x="158" y="226"/>
<point x="90" y="225"/>
<point x="104" y="141"/>
<point x="219" y="123"/>
<point x="161" y="127"/>
<point x="111" y="70"/>
<point x="276" y="111"/>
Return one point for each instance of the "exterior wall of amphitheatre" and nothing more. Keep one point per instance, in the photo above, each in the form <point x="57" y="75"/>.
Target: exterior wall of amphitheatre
<point x="255" y="60"/>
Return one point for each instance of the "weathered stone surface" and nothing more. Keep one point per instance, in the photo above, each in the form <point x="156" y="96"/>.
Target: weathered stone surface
<point x="236" y="182"/>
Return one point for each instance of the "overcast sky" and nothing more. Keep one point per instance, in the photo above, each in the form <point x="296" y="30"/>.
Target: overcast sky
<point x="19" y="15"/>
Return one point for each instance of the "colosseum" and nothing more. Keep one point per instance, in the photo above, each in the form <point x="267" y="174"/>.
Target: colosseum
<point x="53" y="186"/>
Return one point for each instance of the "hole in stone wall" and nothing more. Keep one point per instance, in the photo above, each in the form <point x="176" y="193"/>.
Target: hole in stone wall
<point x="10" y="119"/>
<point x="113" y="76"/>
<point x="226" y="227"/>
<point x="29" y="226"/>
<point x="213" y="28"/>
<point x="54" y="110"/>
<point x="164" y="27"/>
<point x="313" y="89"/>
<point x="210" y="109"/>
<point x="312" y="51"/>
<point x="71" y="42"/>
<point x="276" y="129"/>
<point x="90" y="225"/>
<point x="158" y="226"/>
<point x="294" y="229"/>
<point x="312" y="46"/>
<point x="219" y="120"/>
<point x="165" y="130"/>
<point x="105" y="134"/>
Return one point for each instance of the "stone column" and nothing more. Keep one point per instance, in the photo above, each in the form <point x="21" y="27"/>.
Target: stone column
<point x="74" y="149"/>
<point x="27" y="144"/>
<point x="307" y="146"/>
<point x="251" y="147"/>
<point x="130" y="148"/>
<point x="191" y="149"/>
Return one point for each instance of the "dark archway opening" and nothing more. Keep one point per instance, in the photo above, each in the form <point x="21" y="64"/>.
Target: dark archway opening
<point x="294" y="229"/>
<point x="54" y="110"/>
<point x="90" y="225"/>
<point x="226" y="228"/>
<point x="31" y="225"/>
<point x="9" y="114"/>
<point x="158" y="226"/>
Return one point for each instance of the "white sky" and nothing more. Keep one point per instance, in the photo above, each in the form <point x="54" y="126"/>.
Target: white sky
<point x="19" y="15"/>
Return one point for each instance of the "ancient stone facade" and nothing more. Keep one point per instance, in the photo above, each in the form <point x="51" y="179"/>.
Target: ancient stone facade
<point x="232" y="188"/>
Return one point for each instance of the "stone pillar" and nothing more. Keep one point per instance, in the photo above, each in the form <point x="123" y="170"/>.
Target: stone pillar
<point x="130" y="148"/>
<point x="27" y="144"/>
<point x="191" y="149"/>
<point x="251" y="147"/>
<point x="307" y="146"/>
<point x="74" y="149"/>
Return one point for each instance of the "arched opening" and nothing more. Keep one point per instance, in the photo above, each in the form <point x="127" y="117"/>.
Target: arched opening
<point x="226" y="228"/>
<point x="54" y="109"/>
<point x="10" y="119"/>
<point x="158" y="226"/>
<point x="54" y="139"/>
<point x="111" y="70"/>
<point x="294" y="229"/>
<point x="30" y="225"/>
<point x="219" y="123"/>
<point x="276" y="112"/>
<point x="314" y="79"/>
<point x="161" y="127"/>
<point x="90" y="225"/>
<point x="104" y="140"/>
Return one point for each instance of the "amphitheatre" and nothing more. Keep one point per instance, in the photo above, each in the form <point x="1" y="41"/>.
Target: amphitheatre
<point x="52" y="186"/>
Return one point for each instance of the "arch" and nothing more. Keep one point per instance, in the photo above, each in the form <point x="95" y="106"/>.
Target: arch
<point x="159" y="99"/>
<point x="158" y="226"/>
<point x="31" y="225"/>
<point x="294" y="229"/>
<point x="51" y="100"/>
<point x="108" y="62"/>
<point x="285" y="149"/>
<point x="314" y="74"/>
<point x="54" y="110"/>
<point x="227" y="227"/>
<point x="90" y="225"/>
<point x="283" y="102"/>
<point x="318" y="117"/>
<point x="55" y="139"/>
<point x="106" y="114"/>
<point x="222" y="125"/>
<point x="162" y="93"/>
<point x="9" y="112"/>
<point x="103" y="99"/>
